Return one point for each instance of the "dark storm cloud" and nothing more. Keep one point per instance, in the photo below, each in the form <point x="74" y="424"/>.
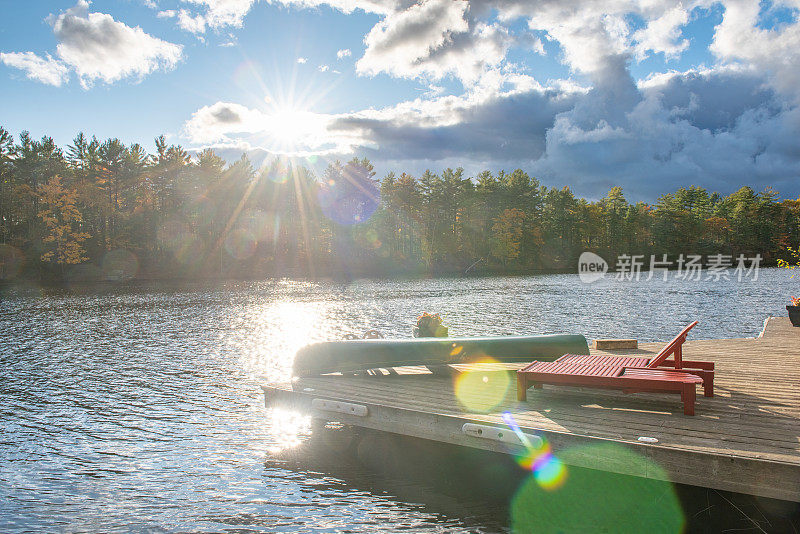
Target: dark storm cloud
<point x="716" y="100"/>
<point x="720" y="129"/>
<point x="509" y="126"/>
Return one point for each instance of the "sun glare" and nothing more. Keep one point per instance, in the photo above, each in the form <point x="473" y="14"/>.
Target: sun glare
<point x="284" y="120"/>
<point x="270" y="333"/>
<point x="295" y="129"/>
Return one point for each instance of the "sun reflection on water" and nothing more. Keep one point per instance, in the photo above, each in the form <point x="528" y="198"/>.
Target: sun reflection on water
<point x="270" y="334"/>
<point x="288" y="429"/>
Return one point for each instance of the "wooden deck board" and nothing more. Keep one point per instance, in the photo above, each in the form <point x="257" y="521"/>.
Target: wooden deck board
<point x="618" y="423"/>
<point x="746" y="438"/>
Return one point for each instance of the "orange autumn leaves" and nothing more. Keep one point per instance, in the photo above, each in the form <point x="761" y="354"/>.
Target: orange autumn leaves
<point x="62" y="222"/>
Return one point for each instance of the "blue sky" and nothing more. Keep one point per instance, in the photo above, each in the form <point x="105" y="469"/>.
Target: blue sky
<point x="262" y="61"/>
<point x="648" y="95"/>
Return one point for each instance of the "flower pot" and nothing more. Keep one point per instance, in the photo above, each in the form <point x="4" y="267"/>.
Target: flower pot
<point x="794" y="314"/>
<point x="441" y="331"/>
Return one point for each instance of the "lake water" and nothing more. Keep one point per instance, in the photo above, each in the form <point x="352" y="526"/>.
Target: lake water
<point x="137" y="408"/>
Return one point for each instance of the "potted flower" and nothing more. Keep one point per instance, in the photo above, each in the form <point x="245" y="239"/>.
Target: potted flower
<point x="429" y="325"/>
<point x="794" y="263"/>
<point x="794" y="310"/>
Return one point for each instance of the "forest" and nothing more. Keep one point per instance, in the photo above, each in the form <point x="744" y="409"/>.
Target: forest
<point x="101" y="210"/>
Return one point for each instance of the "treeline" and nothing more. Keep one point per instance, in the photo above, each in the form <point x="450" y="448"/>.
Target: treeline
<point x="101" y="209"/>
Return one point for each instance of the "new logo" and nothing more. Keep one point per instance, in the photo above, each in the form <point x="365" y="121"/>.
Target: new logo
<point x="591" y="267"/>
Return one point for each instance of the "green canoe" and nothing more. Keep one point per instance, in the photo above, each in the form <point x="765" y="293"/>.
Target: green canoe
<point x="356" y="355"/>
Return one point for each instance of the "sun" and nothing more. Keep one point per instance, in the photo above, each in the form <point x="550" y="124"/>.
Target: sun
<point x="294" y="129"/>
<point x="285" y="119"/>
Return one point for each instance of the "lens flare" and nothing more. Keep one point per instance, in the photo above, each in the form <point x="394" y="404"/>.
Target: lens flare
<point x="548" y="471"/>
<point x="278" y="173"/>
<point x="372" y="239"/>
<point x="241" y="244"/>
<point x="179" y="238"/>
<point x="482" y="389"/>
<point x="257" y="223"/>
<point x="596" y="500"/>
<point x="348" y="195"/>
<point x="528" y="459"/>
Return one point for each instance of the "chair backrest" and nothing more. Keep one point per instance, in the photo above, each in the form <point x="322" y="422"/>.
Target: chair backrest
<point x="673" y="347"/>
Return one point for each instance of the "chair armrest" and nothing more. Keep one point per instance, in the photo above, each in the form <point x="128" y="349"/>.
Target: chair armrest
<point x="707" y="366"/>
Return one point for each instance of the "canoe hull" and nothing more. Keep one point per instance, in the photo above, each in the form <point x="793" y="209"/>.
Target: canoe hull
<point x="355" y="355"/>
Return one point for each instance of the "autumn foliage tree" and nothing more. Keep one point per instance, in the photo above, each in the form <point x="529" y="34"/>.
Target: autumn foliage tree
<point x="63" y="236"/>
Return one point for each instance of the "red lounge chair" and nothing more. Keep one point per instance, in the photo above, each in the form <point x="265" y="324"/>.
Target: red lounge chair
<point x="625" y="373"/>
<point x="674" y="348"/>
<point x="629" y="380"/>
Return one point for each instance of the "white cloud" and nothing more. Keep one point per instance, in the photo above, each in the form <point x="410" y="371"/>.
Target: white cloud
<point x="382" y="7"/>
<point x="96" y="47"/>
<point x="402" y="42"/>
<point x="213" y="123"/>
<point x="718" y="128"/>
<point x="433" y="91"/>
<point x="538" y="47"/>
<point x="167" y="14"/>
<point x="45" y="70"/>
<point x="343" y="53"/>
<point x="283" y="131"/>
<point x="190" y="23"/>
<point x="587" y="37"/>
<point x="776" y="52"/>
<point x="592" y="34"/>
<point x="662" y="34"/>
<point x="435" y="38"/>
<point x="322" y="68"/>
<point x="456" y="116"/>
<point x="218" y="14"/>
<point x="302" y="60"/>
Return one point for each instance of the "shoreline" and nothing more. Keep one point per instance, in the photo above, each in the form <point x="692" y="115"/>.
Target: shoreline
<point x="336" y="276"/>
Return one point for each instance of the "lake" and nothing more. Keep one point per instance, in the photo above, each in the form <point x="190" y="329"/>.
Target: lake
<point x="137" y="407"/>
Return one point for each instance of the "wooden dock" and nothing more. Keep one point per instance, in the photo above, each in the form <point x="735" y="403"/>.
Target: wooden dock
<point x="746" y="439"/>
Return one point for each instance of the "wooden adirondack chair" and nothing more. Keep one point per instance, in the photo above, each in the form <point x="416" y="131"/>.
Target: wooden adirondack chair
<point x="625" y="373"/>
<point x="673" y="349"/>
